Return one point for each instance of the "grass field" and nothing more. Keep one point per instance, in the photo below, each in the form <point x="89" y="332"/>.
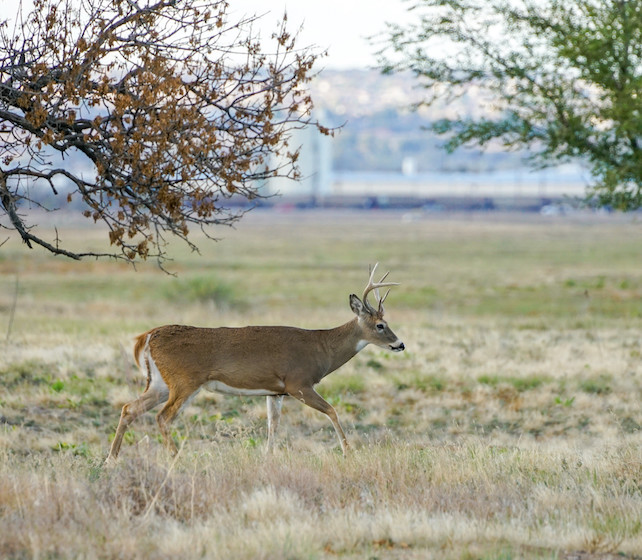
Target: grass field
<point x="510" y="428"/>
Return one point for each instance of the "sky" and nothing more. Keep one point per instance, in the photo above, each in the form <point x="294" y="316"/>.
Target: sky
<point x="340" y="26"/>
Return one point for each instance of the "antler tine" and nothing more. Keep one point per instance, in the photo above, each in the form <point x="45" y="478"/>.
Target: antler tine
<point x="384" y="298"/>
<point x="379" y="284"/>
<point x="371" y="272"/>
<point x="381" y="309"/>
<point x="375" y="286"/>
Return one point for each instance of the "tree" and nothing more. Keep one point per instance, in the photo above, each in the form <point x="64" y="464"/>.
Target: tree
<point x="165" y="109"/>
<point x="562" y="78"/>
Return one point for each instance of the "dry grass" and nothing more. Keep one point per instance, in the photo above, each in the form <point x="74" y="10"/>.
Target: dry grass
<point x="389" y="499"/>
<point x="511" y="428"/>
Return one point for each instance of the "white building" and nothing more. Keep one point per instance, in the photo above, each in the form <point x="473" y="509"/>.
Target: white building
<point x="314" y="163"/>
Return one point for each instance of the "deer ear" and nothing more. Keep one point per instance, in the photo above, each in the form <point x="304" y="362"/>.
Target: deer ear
<point x="357" y="305"/>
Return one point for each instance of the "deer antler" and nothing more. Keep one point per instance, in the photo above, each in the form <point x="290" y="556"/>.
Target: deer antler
<point x="372" y="285"/>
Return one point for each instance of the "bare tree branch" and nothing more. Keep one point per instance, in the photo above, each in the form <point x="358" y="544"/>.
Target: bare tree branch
<point x="152" y="114"/>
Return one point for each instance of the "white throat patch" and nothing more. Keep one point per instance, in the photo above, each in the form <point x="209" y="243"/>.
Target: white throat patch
<point x="361" y="345"/>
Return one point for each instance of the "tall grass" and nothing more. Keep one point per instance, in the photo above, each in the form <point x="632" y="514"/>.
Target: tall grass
<point x="457" y="500"/>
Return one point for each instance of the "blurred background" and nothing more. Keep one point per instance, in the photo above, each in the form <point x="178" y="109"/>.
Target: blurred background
<point x="381" y="154"/>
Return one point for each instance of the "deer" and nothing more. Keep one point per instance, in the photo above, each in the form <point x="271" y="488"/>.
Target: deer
<point x="271" y="361"/>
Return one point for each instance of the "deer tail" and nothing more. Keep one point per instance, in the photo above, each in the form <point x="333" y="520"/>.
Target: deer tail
<point x="141" y="353"/>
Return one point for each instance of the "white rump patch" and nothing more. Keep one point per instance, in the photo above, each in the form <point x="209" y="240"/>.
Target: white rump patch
<point x="157" y="383"/>
<point x="361" y="345"/>
<point x="220" y="387"/>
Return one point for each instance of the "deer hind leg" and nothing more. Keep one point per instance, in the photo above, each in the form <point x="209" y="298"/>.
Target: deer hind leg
<point x="178" y="398"/>
<point x="274" y="404"/>
<point x="132" y="410"/>
<point x="309" y="396"/>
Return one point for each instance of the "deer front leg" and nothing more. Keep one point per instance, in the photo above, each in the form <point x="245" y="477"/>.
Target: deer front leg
<point x="309" y="396"/>
<point x="274" y="404"/>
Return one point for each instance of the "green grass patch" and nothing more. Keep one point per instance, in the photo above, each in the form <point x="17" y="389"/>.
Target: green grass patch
<point x="29" y="372"/>
<point x="202" y="289"/>
<point x="426" y="382"/>
<point x="521" y="384"/>
<point x="374" y="364"/>
<point x="598" y="384"/>
<point x="338" y="385"/>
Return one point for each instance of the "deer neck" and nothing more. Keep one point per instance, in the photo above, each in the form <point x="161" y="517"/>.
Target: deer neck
<point x="343" y="343"/>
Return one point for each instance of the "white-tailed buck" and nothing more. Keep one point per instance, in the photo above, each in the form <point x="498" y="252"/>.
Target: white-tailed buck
<point x="179" y="361"/>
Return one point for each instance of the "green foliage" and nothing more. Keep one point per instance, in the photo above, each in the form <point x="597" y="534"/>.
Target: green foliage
<point x="567" y="402"/>
<point x="250" y="443"/>
<point x="563" y="79"/>
<point x="79" y="450"/>
<point x="57" y="386"/>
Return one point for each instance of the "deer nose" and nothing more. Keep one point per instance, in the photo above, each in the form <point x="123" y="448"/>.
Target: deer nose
<point x="398" y="348"/>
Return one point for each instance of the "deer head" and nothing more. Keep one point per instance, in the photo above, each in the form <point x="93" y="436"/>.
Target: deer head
<point x="375" y="329"/>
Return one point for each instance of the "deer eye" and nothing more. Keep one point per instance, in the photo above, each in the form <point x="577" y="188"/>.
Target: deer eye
<point x="380" y="326"/>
